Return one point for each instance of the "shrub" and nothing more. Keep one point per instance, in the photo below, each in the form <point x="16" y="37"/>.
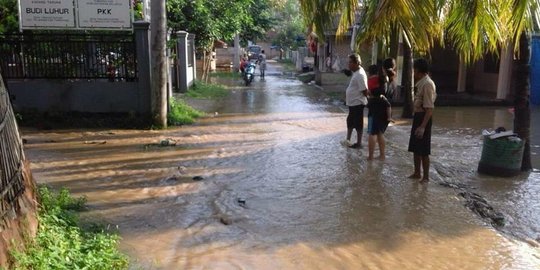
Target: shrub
<point x="181" y="114"/>
<point x="62" y="242"/>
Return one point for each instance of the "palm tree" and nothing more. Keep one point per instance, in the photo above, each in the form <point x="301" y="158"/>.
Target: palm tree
<point x="524" y="19"/>
<point x="472" y="27"/>
<point x="380" y="21"/>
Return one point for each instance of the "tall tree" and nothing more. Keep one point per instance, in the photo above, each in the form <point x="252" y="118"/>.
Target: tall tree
<point x="524" y="19"/>
<point x="291" y="29"/>
<point x="9" y="20"/>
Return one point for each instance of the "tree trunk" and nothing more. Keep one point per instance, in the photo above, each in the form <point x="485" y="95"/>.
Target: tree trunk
<point x="407" y="81"/>
<point x="207" y="64"/>
<point x="394" y="44"/>
<point x="522" y="110"/>
<point x="158" y="31"/>
<point x="207" y="60"/>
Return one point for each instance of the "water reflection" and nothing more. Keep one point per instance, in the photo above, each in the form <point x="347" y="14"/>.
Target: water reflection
<point x="310" y="203"/>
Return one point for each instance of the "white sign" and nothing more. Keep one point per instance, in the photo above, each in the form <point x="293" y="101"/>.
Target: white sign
<point x="63" y="14"/>
<point x="104" y="14"/>
<point x="47" y="14"/>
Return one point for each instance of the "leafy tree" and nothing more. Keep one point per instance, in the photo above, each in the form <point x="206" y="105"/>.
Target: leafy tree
<point x="260" y="19"/>
<point x="291" y="27"/>
<point x="208" y="20"/>
<point x="9" y="20"/>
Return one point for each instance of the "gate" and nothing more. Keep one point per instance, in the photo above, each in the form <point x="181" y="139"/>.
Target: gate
<point x="11" y="159"/>
<point x="68" y="56"/>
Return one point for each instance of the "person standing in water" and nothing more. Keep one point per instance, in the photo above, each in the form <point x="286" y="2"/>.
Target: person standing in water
<point x="356" y="100"/>
<point x="420" y="138"/>
<point x="262" y="63"/>
<point x="379" y="113"/>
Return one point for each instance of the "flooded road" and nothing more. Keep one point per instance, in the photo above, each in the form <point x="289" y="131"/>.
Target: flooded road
<point x="278" y="191"/>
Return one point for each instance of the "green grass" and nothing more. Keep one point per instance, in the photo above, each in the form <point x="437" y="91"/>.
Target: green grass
<point x="202" y="90"/>
<point x="182" y="114"/>
<point x="63" y="242"/>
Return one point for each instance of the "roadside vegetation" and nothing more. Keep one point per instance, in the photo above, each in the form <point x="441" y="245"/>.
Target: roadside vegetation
<point x="63" y="242"/>
<point x="203" y="90"/>
<point x="181" y="113"/>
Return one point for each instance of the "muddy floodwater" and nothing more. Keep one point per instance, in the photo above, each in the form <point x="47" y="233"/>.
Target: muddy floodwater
<point x="263" y="183"/>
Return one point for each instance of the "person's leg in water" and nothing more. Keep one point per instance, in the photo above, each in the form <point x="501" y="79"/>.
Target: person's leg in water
<point x="358" y="143"/>
<point x="425" y="167"/>
<point x="382" y="146"/>
<point x="349" y="134"/>
<point x="371" y="146"/>
<point x="417" y="163"/>
<point x="359" y="128"/>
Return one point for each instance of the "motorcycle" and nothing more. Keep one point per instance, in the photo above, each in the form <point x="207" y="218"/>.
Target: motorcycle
<point x="249" y="73"/>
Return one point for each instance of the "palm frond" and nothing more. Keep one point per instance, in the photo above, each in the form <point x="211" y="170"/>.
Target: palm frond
<point x="525" y="17"/>
<point x="419" y="20"/>
<point x="474" y="27"/>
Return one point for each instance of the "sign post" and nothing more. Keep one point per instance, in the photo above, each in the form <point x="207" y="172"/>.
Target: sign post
<point x="104" y="14"/>
<point x="86" y="14"/>
<point x="35" y="14"/>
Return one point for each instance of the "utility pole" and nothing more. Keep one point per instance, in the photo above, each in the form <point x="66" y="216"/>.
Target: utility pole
<point x="158" y="31"/>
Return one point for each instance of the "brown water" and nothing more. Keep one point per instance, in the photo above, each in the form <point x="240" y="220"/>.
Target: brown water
<point x="310" y="203"/>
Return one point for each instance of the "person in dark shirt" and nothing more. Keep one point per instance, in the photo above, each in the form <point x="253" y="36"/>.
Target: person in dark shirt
<point x="379" y="116"/>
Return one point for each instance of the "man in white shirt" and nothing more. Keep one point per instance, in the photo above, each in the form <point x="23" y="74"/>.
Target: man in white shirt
<point x="356" y="100"/>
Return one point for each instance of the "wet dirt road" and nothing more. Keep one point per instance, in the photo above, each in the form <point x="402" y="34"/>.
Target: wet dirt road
<point x="278" y="191"/>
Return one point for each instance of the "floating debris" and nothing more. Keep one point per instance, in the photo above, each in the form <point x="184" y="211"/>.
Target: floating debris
<point x="225" y="221"/>
<point x="168" y="142"/>
<point x="241" y="202"/>
<point x="95" y="142"/>
<point x="172" y="179"/>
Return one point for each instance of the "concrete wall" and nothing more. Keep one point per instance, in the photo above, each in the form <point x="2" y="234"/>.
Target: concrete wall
<point x="186" y="72"/>
<point x="484" y="82"/>
<point x="224" y="56"/>
<point x="78" y="96"/>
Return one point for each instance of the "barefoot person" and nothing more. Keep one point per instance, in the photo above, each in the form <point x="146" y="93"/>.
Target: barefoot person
<point x="379" y="115"/>
<point x="424" y="99"/>
<point x="356" y="100"/>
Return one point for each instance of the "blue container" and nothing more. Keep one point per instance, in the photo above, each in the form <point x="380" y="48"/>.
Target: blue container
<point x="535" y="70"/>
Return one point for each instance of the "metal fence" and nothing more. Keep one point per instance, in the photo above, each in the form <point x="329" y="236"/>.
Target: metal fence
<point x="11" y="159"/>
<point x="68" y="56"/>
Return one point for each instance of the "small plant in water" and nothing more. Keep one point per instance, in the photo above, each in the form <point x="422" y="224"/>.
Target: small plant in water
<point x="63" y="243"/>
